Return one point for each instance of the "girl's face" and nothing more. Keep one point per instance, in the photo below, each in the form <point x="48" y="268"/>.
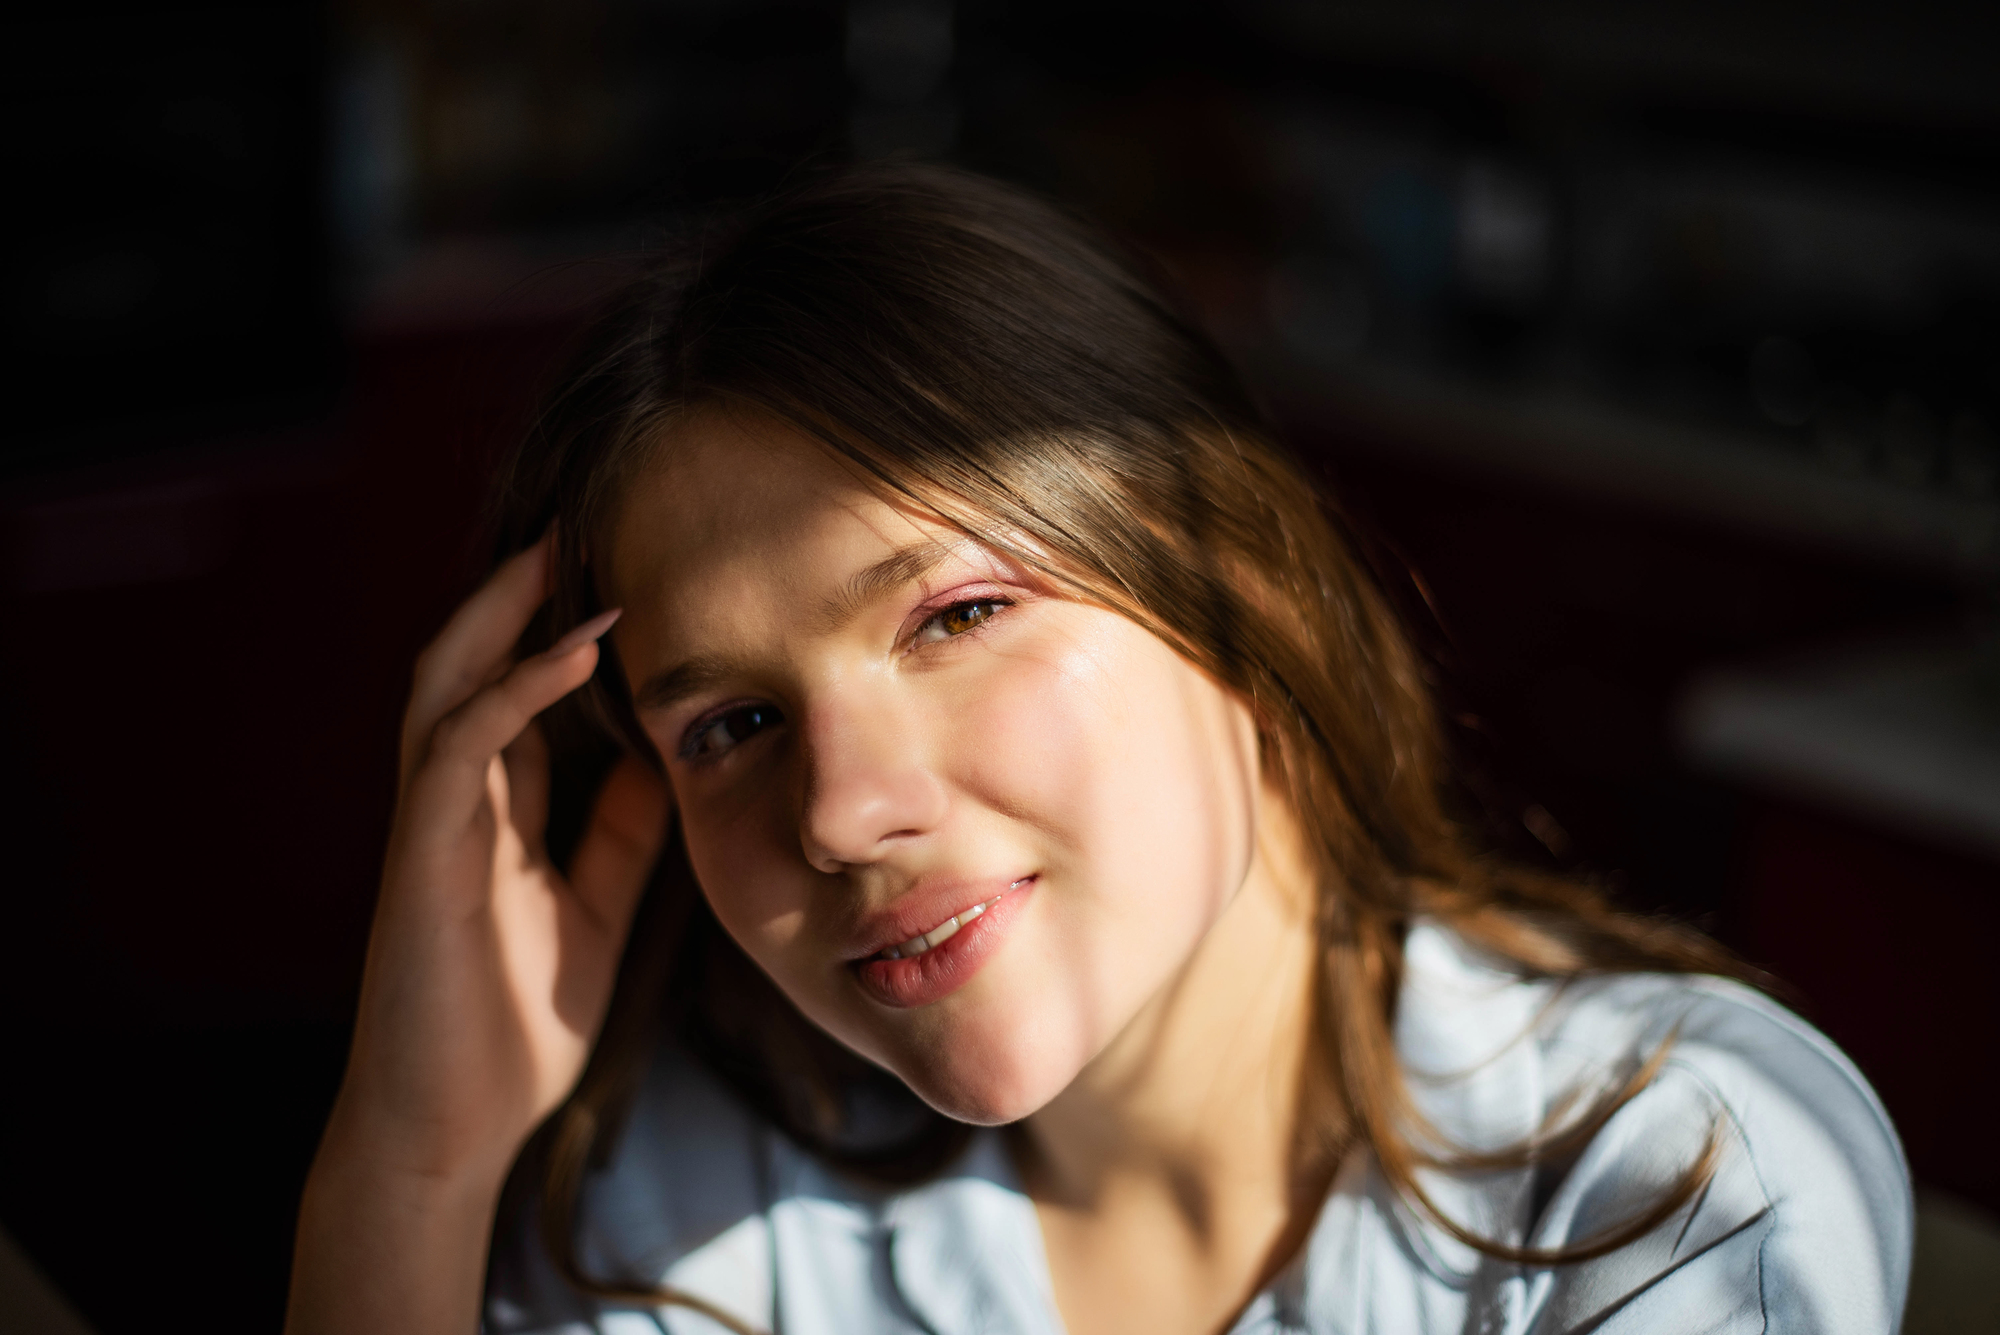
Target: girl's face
<point x="969" y="827"/>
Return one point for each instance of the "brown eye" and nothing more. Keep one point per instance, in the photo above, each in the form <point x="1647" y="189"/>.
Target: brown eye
<point x="723" y="732"/>
<point x="962" y="618"/>
<point x="742" y="724"/>
<point x="958" y="619"/>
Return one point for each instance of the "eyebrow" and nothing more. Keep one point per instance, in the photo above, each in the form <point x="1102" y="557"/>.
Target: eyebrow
<point x="677" y="683"/>
<point x="900" y="567"/>
<point x="892" y="572"/>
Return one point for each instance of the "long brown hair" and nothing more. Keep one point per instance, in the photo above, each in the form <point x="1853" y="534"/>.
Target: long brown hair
<point x="982" y="354"/>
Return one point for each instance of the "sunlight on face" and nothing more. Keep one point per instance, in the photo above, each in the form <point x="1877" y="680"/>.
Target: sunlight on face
<point x="969" y="827"/>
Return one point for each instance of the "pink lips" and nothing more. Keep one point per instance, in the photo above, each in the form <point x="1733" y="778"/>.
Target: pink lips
<point x="918" y="980"/>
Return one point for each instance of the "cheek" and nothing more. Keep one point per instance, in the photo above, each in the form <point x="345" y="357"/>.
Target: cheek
<point x="759" y="895"/>
<point x="1134" y="770"/>
<point x="1126" y="754"/>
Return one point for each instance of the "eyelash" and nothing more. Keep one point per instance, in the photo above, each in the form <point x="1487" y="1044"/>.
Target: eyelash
<point x="692" y="749"/>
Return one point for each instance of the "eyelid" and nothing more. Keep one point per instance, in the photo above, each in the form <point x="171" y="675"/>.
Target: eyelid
<point x="971" y="591"/>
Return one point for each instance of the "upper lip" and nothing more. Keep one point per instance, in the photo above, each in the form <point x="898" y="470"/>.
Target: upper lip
<point x="923" y="908"/>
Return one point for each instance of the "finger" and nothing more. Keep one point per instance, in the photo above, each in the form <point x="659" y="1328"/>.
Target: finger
<point x="475" y="643"/>
<point x="628" y="825"/>
<point x="527" y="760"/>
<point x="465" y="740"/>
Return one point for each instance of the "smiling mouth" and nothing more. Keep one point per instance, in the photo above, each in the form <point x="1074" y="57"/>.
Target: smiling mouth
<point x="944" y="931"/>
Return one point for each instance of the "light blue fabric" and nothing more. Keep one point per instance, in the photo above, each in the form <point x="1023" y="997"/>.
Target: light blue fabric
<point x="1804" y="1227"/>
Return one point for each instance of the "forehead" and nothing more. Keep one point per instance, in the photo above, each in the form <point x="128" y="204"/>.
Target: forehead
<point x="737" y="508"/>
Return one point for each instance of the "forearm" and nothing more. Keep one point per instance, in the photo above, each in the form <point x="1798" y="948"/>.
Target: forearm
<point x="383" y="1250"/>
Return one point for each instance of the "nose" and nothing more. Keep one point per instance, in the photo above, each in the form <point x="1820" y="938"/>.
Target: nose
<point x="869" y="784"/>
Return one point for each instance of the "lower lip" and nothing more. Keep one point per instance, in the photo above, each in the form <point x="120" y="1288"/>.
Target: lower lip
<point x="943" y="969"/>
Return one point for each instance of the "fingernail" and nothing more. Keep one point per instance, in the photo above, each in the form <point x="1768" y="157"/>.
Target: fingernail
<point x="585" y="633"/>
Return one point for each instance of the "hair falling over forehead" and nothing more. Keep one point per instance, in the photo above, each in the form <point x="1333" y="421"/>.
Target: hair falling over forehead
<point x="982" y="355"/>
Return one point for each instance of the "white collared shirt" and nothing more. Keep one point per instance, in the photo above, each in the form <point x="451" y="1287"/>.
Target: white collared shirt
<point x="1805" y="1225"/>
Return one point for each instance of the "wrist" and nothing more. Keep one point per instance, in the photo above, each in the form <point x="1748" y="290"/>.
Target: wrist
<point x="388" y="1245"/>
<point x="413" y="1160"/>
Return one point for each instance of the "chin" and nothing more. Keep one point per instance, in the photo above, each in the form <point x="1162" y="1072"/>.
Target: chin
<point x="998" y="1087"/>
<point x="978" y="1101"/>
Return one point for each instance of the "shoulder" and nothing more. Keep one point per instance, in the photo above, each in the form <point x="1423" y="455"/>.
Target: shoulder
<point x="1797" y="1126"/>
<point x="1805" y="1221"/>
<point x="1796" y="1099"/>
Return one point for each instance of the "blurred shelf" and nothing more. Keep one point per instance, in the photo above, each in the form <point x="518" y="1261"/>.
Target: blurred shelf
<point x="1908" y="738"/>
<point x="1757" y="483"/>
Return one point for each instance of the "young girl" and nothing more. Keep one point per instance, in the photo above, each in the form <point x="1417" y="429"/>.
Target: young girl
<point x="996" y="876"/>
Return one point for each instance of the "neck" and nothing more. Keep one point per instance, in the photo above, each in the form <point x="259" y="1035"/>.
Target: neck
<point x="1183" y="1139"/>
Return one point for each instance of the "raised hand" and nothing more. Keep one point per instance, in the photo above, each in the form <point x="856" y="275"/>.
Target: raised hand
<point x="488" y="972"/>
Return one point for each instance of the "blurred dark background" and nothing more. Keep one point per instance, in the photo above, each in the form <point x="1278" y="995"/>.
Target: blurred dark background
<point x="1653" y="350"/>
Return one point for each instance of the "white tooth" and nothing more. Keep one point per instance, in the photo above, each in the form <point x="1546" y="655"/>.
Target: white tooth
<point x="939" y="934"/>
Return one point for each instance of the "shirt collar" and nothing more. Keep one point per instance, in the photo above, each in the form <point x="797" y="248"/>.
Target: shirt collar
<point x="965" y="1250"/>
